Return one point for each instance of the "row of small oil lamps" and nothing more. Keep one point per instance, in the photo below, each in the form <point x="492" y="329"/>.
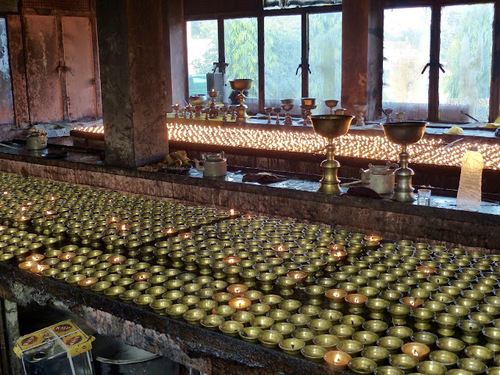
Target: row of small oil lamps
<point x="281" y="248"/>
<point x="238" y="302"/>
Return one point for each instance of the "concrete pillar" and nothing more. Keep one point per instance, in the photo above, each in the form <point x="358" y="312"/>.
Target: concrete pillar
<point x="362" y="36"/>
<point x="133" y="81"/>
<point x="175" y="52"/>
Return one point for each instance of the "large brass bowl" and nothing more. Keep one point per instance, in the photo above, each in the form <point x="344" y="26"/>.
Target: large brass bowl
<point x="404" y="133"/>
<point x="331" y="126"/>
<point x="241" y="84"/>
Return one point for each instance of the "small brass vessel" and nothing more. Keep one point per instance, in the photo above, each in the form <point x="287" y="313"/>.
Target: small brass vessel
<point x="129" y="295"/>
<point x="286" y="329"/>
<point x="365" y="337"/>
<point x="391" y="343"/>
<point x="327" y="341"/>
<point x="431" y="368"/>
<point x="278" y="315"/>
<point x="342" y="331"/>
<point x="270" y="338"/>
<point x="472" y="365"/>
<point x="291" y="346"/>
<point x="404" y="362"/>
<point x="351" y="347"/>
<point x="403" y="332"/>
<point x="250" y="334"/>
<point x="212" y="321"/>
<point x="375" y="353"/>
<point x="362" y="366"/>
<point x="176" y="310"/>
<point x="376" y="326"/>
<point x="450" y="344"/>
<point x="262" y="321"/>
<point x="194" y="316"/>
<point x="159" y="305"/>
<point x="425" y="337"/>
<point x="479" y="352"/>
<point x="388" y="370"/>
<point x="446" y="358"/>
<point x="313" y="352"/>
<point x="304" y="334"/>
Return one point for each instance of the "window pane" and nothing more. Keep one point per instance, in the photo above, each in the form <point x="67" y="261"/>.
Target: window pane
<point x="282" y="55"/>
<point x="466" y="44"/>
<point x="6" y="109"/>
<point x="274" y="4"/>
<point x="406" y="52"/>
<point x="325" y="58"/>
<point x="202" y="52"/>
<point x="240" y="39"/>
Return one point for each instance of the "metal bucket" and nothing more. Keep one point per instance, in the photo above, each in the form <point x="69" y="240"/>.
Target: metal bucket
<point x="113" y="357"/>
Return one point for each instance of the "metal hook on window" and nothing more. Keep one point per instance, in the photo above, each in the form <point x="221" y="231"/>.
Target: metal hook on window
<point x="300" y="67"/>
<point x="433" y="64"/>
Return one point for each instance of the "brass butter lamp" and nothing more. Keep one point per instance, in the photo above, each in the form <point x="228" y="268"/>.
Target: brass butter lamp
<point x="241" y="110"/>
<point x="404" y="134"/>
<point x="330" y="127"/>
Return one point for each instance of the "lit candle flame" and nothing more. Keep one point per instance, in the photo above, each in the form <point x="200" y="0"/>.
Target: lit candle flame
<point x="336" y="359"/>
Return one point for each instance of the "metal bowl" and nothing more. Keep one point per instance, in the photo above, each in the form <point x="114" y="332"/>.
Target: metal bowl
<point x="404" y="133"/>
<point x="331" y="126"/>
<point x="241" y="84"/>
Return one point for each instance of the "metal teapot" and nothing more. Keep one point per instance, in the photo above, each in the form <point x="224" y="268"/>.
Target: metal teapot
<point x="212" y="165"/>
<point x="379" y="178"/>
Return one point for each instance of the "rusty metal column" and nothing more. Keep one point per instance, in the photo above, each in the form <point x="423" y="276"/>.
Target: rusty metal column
<point x="133" y="80"/>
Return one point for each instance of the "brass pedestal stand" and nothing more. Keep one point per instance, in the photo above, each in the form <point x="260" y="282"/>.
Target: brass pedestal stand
<point x="241" y="110"/>
<point x="330" y="184"/>
<point x="403" y="192"/>
<point x="404" y="133"/>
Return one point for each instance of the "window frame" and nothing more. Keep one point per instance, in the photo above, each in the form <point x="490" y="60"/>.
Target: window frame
<point x="435" y="5"/>
<point x="435" y="49"/>
<point x="260" y="14"/>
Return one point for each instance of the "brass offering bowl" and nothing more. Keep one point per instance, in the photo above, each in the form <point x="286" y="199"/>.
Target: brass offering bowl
<point x="472" y="365"/>
<point x="388" y="370"/>
<point x="404" y="362"/>
<point x="479" y="352"/>
<point x="213" y="322"/>
<point x="326" y="340"/>
<point x="291" y="346"/>
<point x="286" y="329"/>
<point x="330" y="127"/>
<point x="362" y="366"/>
<point x="431" y="368"/>
<point x="365" y="337"/>
<point x="451" y="344"/>
<point x="313" y="352"/>
<point x="194" y="316"/>
<point x="391" y="343"/>
<point x="250" y="334"/>
<point x="232" y="328"/>
<point x="375" y="353"/>
<point x="404" y="133"/>
<point x="444" y="357"/>
<point x="270" y="338"/>
<point x="351" y="347"/>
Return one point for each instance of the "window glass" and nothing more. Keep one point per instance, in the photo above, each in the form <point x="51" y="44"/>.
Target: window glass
<point x="240" y="39"/>
<point x="406" y="52"/>
<point x="325" y="58"/>
<point x="466" y="45"/>
<point x="6" y="108"/>
<point x="282" y="55"/>
<point x="202" y="53"/>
